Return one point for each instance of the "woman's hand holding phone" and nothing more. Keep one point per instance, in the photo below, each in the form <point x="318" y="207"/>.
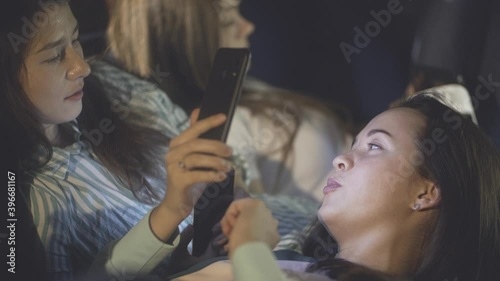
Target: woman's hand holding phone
<point x="191" y="162"/>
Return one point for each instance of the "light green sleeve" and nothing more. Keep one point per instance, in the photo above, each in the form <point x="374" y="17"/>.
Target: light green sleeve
<point x="134" y="255"/>
<point x="255" y="261"/>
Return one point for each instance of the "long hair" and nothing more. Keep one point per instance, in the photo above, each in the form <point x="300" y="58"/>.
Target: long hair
<point x="132" y="153"/>
<point x="464" y="243"/>
<point x="168" y="36"/>
<point x="129" y="152"/>
<point x="22" y="134"/>
<point x="19" y="123"/>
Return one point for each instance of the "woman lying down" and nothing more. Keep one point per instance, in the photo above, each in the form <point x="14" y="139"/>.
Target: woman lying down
<point x="416" y="198"/>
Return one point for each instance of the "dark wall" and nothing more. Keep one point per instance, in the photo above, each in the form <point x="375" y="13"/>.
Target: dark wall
<point x="92" y="16"/>
<point x="297" y="45"/>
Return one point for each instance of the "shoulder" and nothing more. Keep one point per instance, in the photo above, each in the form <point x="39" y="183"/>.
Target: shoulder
<point x="148" y="105"/>
<point x="121" y="87"/>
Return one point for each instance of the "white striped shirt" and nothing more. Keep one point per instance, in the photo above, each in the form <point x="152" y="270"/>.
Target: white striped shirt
<point x="79" y="206"/>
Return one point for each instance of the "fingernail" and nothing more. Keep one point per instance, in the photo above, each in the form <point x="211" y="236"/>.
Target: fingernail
<point x="221" y="117"/>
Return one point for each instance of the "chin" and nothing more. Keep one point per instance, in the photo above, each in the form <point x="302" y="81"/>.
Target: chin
<point x="325" y="213"/>
<point x="68" y="115"/>
<point x="71" y="115"/>
<point x="328" y="213"/>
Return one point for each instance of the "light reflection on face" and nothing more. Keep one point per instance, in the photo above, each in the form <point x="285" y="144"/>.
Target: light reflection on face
<point x="375" y="190"/>
<point x="55" y="69"/>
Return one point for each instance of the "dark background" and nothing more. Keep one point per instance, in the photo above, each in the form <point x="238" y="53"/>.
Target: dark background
<point x="296" y="45"/>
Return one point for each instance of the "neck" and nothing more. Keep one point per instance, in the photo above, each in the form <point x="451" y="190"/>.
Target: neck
<point x="391" y="250"/>
<point x="54" y="135"/>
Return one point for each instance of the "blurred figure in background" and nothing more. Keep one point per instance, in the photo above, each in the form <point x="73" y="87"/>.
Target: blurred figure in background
<point x="288" y="137"/>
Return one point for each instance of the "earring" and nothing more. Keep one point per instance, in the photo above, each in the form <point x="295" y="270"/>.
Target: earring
<point x="416" y="207"/>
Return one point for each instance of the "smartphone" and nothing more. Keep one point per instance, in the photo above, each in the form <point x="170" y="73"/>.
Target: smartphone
<point x="221" y="96"/>
<point x="224" y="88"/>
<point x="209" y="210"/>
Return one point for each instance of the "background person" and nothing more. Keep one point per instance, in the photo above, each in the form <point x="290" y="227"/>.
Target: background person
<point x="284" y="135"/>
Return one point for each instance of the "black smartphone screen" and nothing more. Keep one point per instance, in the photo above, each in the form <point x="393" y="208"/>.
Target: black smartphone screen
<point x="224" y="88"/>
<point x="209" y="210"/>
<point x="222" y="96"/>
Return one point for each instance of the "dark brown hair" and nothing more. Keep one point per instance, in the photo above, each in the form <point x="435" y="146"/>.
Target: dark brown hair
<point x="464" y="244"/>
<point x="131" y="153"/>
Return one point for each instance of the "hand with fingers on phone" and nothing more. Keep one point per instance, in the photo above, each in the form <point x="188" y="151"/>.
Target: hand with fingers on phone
<point x="181" y="259"/>
<point x="249" y="220"/>
<point x="191" y="163"/>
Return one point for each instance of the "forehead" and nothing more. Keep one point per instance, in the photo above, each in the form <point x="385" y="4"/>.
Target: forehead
<point x="400" y="122"/>
<point x="53" y="22"/>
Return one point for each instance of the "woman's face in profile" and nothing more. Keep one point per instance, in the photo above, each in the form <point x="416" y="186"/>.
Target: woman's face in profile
<point x="235" y="29"/>
<point x="375" y="183"/>
<point x="55" y="68"/>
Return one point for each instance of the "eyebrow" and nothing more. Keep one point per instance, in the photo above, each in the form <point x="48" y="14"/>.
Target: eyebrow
<point x="371" y="132"/>
<point x="54" y="44"/>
